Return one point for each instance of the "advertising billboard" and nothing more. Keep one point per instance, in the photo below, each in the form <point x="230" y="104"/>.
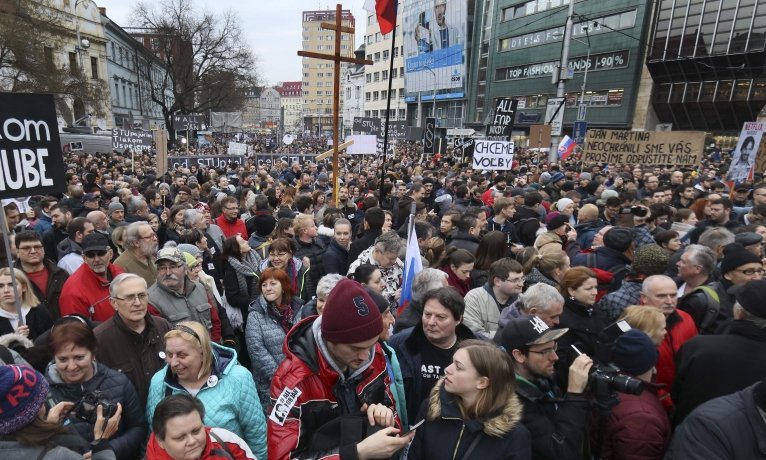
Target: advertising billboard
<point x="434" y="46"/>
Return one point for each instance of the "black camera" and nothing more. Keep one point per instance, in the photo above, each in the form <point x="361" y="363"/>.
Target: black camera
<point x="606" y="380"/>
<point x="85" y="408"/>
<point x="639" y="211"/>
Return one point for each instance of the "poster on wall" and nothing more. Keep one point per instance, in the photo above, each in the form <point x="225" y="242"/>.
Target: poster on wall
<point x="434" y="46"/>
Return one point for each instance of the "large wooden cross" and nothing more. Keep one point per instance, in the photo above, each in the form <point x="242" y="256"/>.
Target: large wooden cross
<point x="337" y="59"/>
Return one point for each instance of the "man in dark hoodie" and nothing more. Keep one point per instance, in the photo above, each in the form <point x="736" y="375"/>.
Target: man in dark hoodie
<point x="69" y="250"/>
<point x="527" y="218"/>
<point x="374" y="218"/>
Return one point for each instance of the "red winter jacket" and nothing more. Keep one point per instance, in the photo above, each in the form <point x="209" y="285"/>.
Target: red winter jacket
<point x="638" y="428"/>
<point x="230" y="229"/>
<point x="87" y="294"/>
<point x="303" y="398"/>
<point x="231" y="447"/>
<point x="680" y="327"/>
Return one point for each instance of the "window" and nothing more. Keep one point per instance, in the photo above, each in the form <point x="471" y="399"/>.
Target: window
<point x="369" y="57"/>
<point x="357" y="92"/>
<point x="385" y="55"/>
<point x="94" y="68"/>
<point x="377" y="37"/>
<point x="394" y="73"/>
<point x="377" y="57"/>
<point x="377" y="76"/>
<point x="74" y="69"/>
<point x="384" y="76"/>
<point x="369" y="78"/>
<point x="375" y="95"/>
<point x="348" y="92"/>
<point x="396" y="52"/>
<point x="116" y="94"/>
<point x="384" y="94"/>
<point x="401" y="72"/>
<point x="367" y="96"/>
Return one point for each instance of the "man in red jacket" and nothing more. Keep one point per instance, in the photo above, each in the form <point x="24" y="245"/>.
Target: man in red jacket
<point x="229" y="221"/>
<point x="86" y="291"/>
<point x="331" y="395"/>
<point x="661" y="292"/>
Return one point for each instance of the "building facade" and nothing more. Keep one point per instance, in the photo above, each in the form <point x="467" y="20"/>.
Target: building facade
<point x="271" y="109"/>
<point x="251" y="109"/>
<point x="291" y="102"/>
<point x="128" y="61"/>
<point x="378" y="50"/>
<point x="353" y="92"/>
<point x="317" y="82"/>
<point x="516" y="50"/>
<point x="707" y="59"/>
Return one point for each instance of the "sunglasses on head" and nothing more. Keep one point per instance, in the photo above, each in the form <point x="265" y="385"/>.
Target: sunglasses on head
<point x="92" y="254"/>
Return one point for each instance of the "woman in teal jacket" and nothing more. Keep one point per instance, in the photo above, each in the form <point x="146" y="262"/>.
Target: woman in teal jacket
<point x="210" y="373"/>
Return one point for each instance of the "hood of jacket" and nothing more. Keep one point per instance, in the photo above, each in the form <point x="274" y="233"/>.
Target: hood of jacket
<point x="443" y="404"/>
<point x="68" y="246"/>
<point x="325" y="231"/>
<point x="266" y="263"/>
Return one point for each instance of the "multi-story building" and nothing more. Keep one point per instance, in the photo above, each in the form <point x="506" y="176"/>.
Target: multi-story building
<point x="516" y="50"/>
<point x="352" y="90"/>
<point x="378" y="50"/>
<point x="317" y="82"/>
<point x="291" y="101"/>
<point x="70" y="45"/>
<point x="251" y="109"/>
<point x="706" y="59"/>
<point x="271" y="109"/>
<point x="128" y="64"/>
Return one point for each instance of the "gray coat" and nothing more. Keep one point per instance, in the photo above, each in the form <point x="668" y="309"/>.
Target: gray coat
<point x="12" y="449"/>
<point x="265" y="336"/>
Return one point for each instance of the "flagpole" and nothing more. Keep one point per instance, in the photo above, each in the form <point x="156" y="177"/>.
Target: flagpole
<point x="388" y="110"/>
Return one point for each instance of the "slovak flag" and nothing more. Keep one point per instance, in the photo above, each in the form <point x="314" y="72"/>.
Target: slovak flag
<point x="566" y="147"/>
<point x="385" y="10"/>
<point x="412" y="266"/>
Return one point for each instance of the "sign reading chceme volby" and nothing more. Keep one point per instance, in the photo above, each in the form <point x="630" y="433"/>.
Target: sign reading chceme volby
<point x="679" y="148"/>
<point x="494" y="155"/>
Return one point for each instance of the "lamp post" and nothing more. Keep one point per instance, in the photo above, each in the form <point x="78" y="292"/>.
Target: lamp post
<point x="585" y="74"/>
<point x="82" y="43"/>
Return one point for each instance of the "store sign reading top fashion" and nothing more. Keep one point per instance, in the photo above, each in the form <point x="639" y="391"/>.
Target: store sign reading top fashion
<point x="603" y="61"/>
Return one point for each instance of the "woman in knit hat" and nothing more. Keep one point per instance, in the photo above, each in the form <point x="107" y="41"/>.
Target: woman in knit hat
<point x="28" y="431"/>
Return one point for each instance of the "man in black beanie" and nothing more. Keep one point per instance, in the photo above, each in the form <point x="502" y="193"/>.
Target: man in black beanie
<point x="729" y="427"/>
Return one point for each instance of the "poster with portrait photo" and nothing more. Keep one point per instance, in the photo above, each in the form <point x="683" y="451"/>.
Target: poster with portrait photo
<point x="743" y="157"/>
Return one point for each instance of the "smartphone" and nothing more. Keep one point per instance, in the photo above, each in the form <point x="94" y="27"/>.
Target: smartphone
<point x="414" y="427"/>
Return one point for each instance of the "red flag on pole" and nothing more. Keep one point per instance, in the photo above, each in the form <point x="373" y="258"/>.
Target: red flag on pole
<point x="386" y="12"/>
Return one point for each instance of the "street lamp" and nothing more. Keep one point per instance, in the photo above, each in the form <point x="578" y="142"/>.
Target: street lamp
<point x="433" y="95"/>
<point x="82" y="43"/>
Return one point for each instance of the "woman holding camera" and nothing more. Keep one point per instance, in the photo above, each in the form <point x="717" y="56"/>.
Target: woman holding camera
<point x="178" y="433"/>
<point x="473" y="411"/>
<point x="211" y="373"/>
<point x="75" y="377"/>
<point x="27" y="430"/>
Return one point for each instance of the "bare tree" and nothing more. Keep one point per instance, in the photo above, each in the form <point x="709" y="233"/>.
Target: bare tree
<point x="206" y="60"/>
<point x="29" y="31"/>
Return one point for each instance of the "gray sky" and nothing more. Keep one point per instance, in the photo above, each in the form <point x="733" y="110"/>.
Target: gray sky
<point x="272" y="27"/>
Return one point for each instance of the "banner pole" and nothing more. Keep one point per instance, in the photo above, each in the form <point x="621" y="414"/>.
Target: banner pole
<point x="7" y="243"/>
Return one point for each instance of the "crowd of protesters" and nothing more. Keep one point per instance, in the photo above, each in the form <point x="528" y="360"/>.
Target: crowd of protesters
<point x="564" y="311"/>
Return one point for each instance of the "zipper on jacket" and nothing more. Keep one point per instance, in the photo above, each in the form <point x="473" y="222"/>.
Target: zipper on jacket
<point x="457" y="445"/>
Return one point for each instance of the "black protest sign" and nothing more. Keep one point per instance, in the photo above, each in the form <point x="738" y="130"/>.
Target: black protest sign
<point x="269" y="159"/>
<point x="209" y="161"/>
<point x="397" y="130"/>
<point x="465" y="144"/>
<point x="31" y="160"/>
<point x="428" y="136"/>
<point x="366" y="125"/>
<point x="131" y="139"/>
<point x="188" y="122"/>
<point x="502" y="123"/>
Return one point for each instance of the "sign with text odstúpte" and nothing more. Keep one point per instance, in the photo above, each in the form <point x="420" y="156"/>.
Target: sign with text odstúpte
<point x="496" y="155"/>
<point x="678" y="148"/>
<point x="31" y="160"/>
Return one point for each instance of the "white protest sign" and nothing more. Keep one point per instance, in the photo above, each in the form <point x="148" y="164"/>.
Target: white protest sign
<point x="237" y="148"/>
<point x="554" y="114"/>
<point x="496" y="155"/>
<point x="363" y="144"/>
<point x="743" y="157"/>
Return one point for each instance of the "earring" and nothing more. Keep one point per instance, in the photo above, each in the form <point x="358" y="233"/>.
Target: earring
<point x="571" y="297"/>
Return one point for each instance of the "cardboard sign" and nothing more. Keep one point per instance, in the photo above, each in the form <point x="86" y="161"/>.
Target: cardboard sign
<point x="31" y="160"/>
<point x="364" y="144"/>
<point x="131" y="139"/>
<point x="494" y="155"/>
<point x="678" y="148"/>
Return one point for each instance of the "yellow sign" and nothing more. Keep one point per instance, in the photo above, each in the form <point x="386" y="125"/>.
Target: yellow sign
<point x="677" y="148"/>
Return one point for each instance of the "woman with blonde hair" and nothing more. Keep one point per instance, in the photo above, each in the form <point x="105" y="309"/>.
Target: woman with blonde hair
<point x="473" y="411"/>
<point x="648" y="319"/>
<point x="36" y="320"/>
<point x="546" y="265"/>
<point x="211" y="373"/>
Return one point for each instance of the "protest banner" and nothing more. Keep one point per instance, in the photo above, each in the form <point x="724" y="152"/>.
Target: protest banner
<point x="31" y="160"/>
<point x="397" y="130"/>
<point x="269" y="159"/>
<point x="214" y="161"/>
<point x="237" y="148"/>
<point x="366" y="125"/>
<point x="364" y="144"/>
<point x="131" y="139"/>
<point x="428" y="136"/>
<point x="743" y="156"/>
<point x="184" y="122"/>
<point x="505" y="113"/>
<point x="649" y="148"/>
<point x="496" y="155"/>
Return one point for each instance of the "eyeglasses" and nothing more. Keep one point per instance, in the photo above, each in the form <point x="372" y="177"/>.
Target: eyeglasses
<point x="520" y="279"/>
<point x="752" y="271"/>
<point x="148" y="237"/>
<point x="163" y="268"/>
<point x="196" y="267"/>
<point x="231" y="209"/>
<point x="141" y="297"/>
<point x="92" y="254"/>
<point x="278" y="255"/>
<point x="548" y="351"/>
<point x="38" y="248"/>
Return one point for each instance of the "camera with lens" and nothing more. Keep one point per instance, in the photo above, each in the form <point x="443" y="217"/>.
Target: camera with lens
<point x="85" y="407"/>
<point x="605" y="379"/>
<point x="639" y="211"/>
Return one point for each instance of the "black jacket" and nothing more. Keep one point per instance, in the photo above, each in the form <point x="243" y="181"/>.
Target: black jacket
<point x="334" y="260"/>
<point x="558" y="425"/>
<point x="447" y="434"/>
<point x="585" y="323"/>
<point x="725" y="363"/>
<point x="51" y="240"/>
<point x="38" y="320"/>
<point x="729" y="427"/>
<point x="527" y="223"/>
<point x="57" y="276"/>
<point x="697" y="303"/>
<point x="699" y="229"/>
<point x="462" y="240"/>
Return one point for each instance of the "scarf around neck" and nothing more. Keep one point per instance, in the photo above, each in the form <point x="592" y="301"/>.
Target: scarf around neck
<point x="248" y="266"/>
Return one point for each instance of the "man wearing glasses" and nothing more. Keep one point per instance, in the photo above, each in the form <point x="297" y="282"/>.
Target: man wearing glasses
<point x="131" y="341"/>
<point x="484" y="304"/>
<point x="47" y="278"/>
<point x="229" y="221"/>
<point x="558" y="423"/>
<point x="140" y="247"/>
<point x="86" y="292"/>
<point x="177" y="298"/>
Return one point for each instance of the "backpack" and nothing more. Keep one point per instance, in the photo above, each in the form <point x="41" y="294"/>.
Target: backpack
<point x="712" y="305"/>
<point x="608" y="280"/>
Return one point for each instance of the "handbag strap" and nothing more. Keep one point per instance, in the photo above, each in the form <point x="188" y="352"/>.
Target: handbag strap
<point x="225" y="448"/>
<point x="472" y="446"/>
